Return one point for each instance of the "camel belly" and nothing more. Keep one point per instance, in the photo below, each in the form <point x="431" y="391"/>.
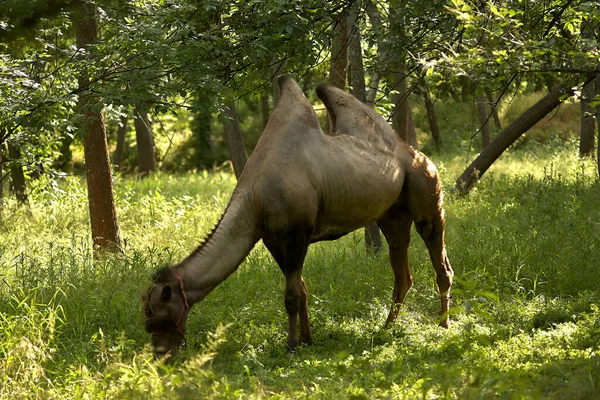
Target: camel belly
<point x="337" y="217"/>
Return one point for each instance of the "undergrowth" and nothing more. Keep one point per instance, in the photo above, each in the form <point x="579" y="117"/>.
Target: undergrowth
<point x="524" y="245"/>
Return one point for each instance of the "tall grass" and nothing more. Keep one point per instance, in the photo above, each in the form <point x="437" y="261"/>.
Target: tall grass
<point x="524" y="245"/>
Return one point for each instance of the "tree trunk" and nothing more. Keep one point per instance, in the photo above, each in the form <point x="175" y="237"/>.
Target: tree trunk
<point x="66" y="156"/>
<point x="277" y="69"/>
<point x="201" y="127"/>
<point x="433" y="123"/>
<point x="356" y="74"/>
<point x="519" y="126"/>
<point x="373" y="88"/>
<point x="376" y="20"/>
<point x="265" y="109"/>
<point x="597" y="86"/>
<point x="103" y="215"/>
<point x="401" y="112"/>
<point x="588" y="125"/>
<point x="412" y="132"/>
<point x="16" y="173"/>
<point x="145" y="144"/>
<point x="493" y="109"/>
<point x="338" y="66"/>
<point x="120" y="149"/>
<point x="483" y="119"/>
<point x="1" y="175"/>
<point x="235" y="139"/>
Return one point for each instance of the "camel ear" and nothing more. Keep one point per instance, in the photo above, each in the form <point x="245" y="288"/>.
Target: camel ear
<point x="165" y="294"/>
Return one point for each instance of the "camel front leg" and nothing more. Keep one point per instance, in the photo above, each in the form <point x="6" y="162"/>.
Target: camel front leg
<point x="296" y="294"/>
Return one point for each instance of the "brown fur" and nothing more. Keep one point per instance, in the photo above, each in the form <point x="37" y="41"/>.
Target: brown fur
<point x="301" y="186"/>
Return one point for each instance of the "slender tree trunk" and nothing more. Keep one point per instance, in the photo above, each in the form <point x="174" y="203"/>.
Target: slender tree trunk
<point x="277" y="69"/>
<point x="120" y="149"/>
<point x="235" y="139"/>
<point x="307" y="83"/>
<point x="493" y="109"/>
<point x="373" y="88"/>
<point x="1" y="174"/>
<point x="103" y="215"/>
<point x="338" y="67"/>
<point x="412" y="131"/>
<point x="201" y="127"/>
<point x="356" y="74"/>
<point x="376" y="20"/>
<point x="265" y="109"/>
<point x="588" y="125"/>
<point x="66" y="156"/>
<point x="401" y="112"/>
<point x="597" y="89"/>
<point x="483" y="119"/>
<point x="519" y="126"/>
<point x="433" y="123"/>
<point x="145" y="144"/>
<point x="16" y="173"/>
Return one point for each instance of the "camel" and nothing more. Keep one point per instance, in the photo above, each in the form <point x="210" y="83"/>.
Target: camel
<point x="302" y="186"/>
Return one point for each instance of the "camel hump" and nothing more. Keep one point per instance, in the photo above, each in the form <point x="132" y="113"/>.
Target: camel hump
<point x="289" y="91"/>
<point x="350" y="116"/>
<point x="284" y="79"/>
<point x="292" y="106"/>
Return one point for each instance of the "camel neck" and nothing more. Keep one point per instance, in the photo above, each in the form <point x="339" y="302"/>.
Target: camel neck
<point x="223" y="251"/>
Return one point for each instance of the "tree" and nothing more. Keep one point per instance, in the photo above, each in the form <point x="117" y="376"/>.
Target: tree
<point x="103" y="214"/>
<point x="484" y="120"/>
<point x="338" y="65"/>
<point x="588" y="126"/>
<point x="493" y="108"/>
<point x="120" y="148"/>
<point x="145" y="143"/>
<point x="17" y="176"/>
<point x="235" y="138"/>
<point x="519" y="126"/>
<point x="356" y="74"/>
<point x="431" y="115"/>
<point x="598" y="117"/>
<point x="401" y="115"/>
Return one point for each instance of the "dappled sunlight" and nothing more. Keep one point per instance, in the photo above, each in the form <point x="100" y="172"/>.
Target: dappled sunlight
<point x="524" y="311"/>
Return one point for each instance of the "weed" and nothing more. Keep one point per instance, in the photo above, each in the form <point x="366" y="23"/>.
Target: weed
<point x="525" y="317"/>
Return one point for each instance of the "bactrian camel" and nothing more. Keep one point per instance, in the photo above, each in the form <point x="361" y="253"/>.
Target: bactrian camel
<point x="301" y="186"/>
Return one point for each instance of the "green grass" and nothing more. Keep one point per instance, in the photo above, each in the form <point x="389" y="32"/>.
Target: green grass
<point x="524" y="245"/>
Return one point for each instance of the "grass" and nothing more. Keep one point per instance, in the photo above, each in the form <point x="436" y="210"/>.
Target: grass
<point x="524" y="245"/>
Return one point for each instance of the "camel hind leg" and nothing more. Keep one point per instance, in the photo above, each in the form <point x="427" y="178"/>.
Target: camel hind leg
<point x="395" y="225"/>
<point x="424" y="197"/>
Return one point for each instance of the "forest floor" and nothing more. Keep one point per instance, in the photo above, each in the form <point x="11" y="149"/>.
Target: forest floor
<point x="525" y="323"/>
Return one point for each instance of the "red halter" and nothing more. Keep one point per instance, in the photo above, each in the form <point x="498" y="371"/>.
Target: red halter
<point x="184" y="307"/>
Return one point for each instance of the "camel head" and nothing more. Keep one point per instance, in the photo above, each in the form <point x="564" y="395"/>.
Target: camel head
<point x="166" y="311"/>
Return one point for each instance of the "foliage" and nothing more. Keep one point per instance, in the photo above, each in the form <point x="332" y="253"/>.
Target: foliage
<point x="525" y="316"/>
<point x="508" y="39"/>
